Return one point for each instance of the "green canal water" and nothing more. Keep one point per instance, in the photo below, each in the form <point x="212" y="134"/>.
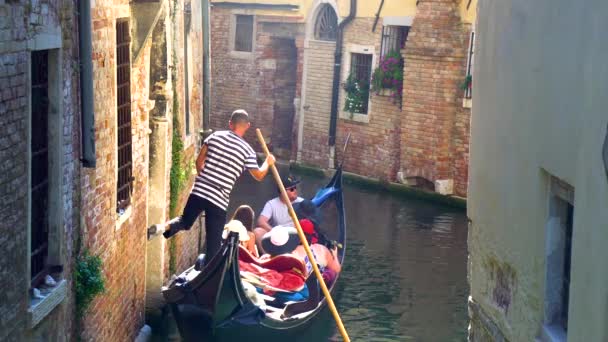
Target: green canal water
<point x="404" y="276"/>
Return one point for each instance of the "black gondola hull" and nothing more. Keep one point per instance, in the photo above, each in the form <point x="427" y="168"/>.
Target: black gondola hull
<point x="213" y="305"/>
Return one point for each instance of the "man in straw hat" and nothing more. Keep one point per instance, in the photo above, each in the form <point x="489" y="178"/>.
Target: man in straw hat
<point x="275" y="211"/>
<point x="222" y="159"/>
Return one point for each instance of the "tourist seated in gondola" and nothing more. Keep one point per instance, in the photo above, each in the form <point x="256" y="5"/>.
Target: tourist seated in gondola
<point x="242" y="223"/>
<point x="275" y="211"/>
<point x="280" y="241"/>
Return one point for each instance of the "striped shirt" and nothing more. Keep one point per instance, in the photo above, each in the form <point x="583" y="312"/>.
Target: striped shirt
<point x="228" y="155"/>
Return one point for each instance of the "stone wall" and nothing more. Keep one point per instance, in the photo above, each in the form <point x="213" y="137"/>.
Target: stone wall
<point x="434" y="126"/>
<point x="22" y="28"/>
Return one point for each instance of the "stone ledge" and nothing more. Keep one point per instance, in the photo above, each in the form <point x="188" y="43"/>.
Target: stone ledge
<point x="394" y="188"/>
<point x="40" y="308"/>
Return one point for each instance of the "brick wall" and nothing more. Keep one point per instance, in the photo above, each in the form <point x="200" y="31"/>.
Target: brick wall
<point x="117" y="314"/>
<point x="234" y="79"/>
<point x="20" y="24"/>
<point x="374" y="146"/>
<point x="264" y="83"/>
<point x="429" y="137"/>
<point x="434" y="127"/>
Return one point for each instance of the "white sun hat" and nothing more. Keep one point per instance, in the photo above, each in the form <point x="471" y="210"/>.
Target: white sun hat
<point x="238" y="227"/>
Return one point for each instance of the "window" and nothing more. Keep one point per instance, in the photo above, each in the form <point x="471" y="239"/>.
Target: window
<point x="123" y="104"/>
<point x="358" y="83"/>
<point x="468" y="92"/>
<point x="39" y="165"/>
<point x="393" y="39"/>
<point x="243" y="33"/>
<point x="558" y="260"/>
<point x="326" y="26"/>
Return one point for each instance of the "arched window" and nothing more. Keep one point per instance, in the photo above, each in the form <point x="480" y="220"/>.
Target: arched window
<point x="326" y="26"/>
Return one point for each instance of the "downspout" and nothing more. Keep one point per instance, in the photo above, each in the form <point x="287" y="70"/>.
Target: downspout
<point x="86" y="84"/>
<point x="206" y="129"/>
<point x="333" y="119"/>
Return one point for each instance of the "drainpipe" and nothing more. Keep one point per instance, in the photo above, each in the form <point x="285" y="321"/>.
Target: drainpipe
<point x="333" y="119"/>
<point x="205" y="129"/>
<point x="86" y="84"/>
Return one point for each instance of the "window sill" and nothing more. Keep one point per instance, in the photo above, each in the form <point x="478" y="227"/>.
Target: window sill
<point x="242" y="54"/>
<point x="552" y="333"/>
<point x="361" y="118"/>
<point x="467" y="103"/>
<point x="123" y="218"/>
<point x="40" y="308"/>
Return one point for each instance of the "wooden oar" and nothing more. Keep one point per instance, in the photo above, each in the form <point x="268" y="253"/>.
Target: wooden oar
<point x="296" y="222"/>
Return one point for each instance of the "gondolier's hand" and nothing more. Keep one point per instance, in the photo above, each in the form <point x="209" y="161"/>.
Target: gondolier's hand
<point x="270" y="160"/>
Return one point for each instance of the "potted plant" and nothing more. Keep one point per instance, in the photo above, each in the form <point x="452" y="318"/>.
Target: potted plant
<point x="467" y="84"/>
<point x="387" y="78"/>
<point x="357" y="94"/>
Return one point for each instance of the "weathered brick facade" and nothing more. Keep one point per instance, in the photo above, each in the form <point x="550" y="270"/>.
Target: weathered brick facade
<point x="118" y="314"/>
<point x="265" y="82"/>
<point x="24" y="27"/>
<point x="418" y="141"/>
<point x="434" y="125"/>
<point x="374" y="146"/>
<point x="428" y="137"/>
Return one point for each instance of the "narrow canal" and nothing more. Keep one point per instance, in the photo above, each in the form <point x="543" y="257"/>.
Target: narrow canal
<point x="404" y="278"/>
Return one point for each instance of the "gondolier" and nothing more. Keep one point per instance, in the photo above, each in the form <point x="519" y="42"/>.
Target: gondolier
<point x="222" y="159"/>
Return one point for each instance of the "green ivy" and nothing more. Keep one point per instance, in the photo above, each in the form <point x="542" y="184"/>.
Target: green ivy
<point x="178" y="176"/>
<point x="172" y="256"/>
<point x="89" y="281"/>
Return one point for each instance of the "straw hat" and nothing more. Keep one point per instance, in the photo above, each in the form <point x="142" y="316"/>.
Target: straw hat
<point x="280" y="240"/>
<point x="238" y="227"/>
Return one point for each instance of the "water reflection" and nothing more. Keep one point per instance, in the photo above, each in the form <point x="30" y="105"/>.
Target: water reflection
<point x="405" y="272"/>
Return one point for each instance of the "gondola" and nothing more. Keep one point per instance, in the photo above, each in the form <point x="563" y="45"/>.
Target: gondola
<point x="210" y="303"/>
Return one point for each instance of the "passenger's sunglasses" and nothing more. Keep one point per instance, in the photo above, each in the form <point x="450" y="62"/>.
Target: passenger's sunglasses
<point x="291" y="189"/>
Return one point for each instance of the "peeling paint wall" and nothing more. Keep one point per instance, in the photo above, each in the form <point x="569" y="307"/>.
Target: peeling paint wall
<point x="539" y="116"/>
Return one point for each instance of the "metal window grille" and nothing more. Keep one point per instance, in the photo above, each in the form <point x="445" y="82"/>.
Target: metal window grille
<point x="468" y="93"/>
<point x="39" y="145"/>
<point x="361" y="69"/>
<point x="243" y="36"/>
<point x="123" y="103"/>
<point x="393" y="39"/>
<point x="326" y="26"/>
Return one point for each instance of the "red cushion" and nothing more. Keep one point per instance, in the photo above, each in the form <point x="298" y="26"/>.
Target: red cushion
<point x="279" y="263"/>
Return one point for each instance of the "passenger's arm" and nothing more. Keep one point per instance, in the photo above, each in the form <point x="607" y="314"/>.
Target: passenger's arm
<point x="263" y="223"/>
<point x="332" y="260"/>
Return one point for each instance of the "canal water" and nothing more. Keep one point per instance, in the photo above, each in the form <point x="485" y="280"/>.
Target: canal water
<point x="404" y="277"/>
